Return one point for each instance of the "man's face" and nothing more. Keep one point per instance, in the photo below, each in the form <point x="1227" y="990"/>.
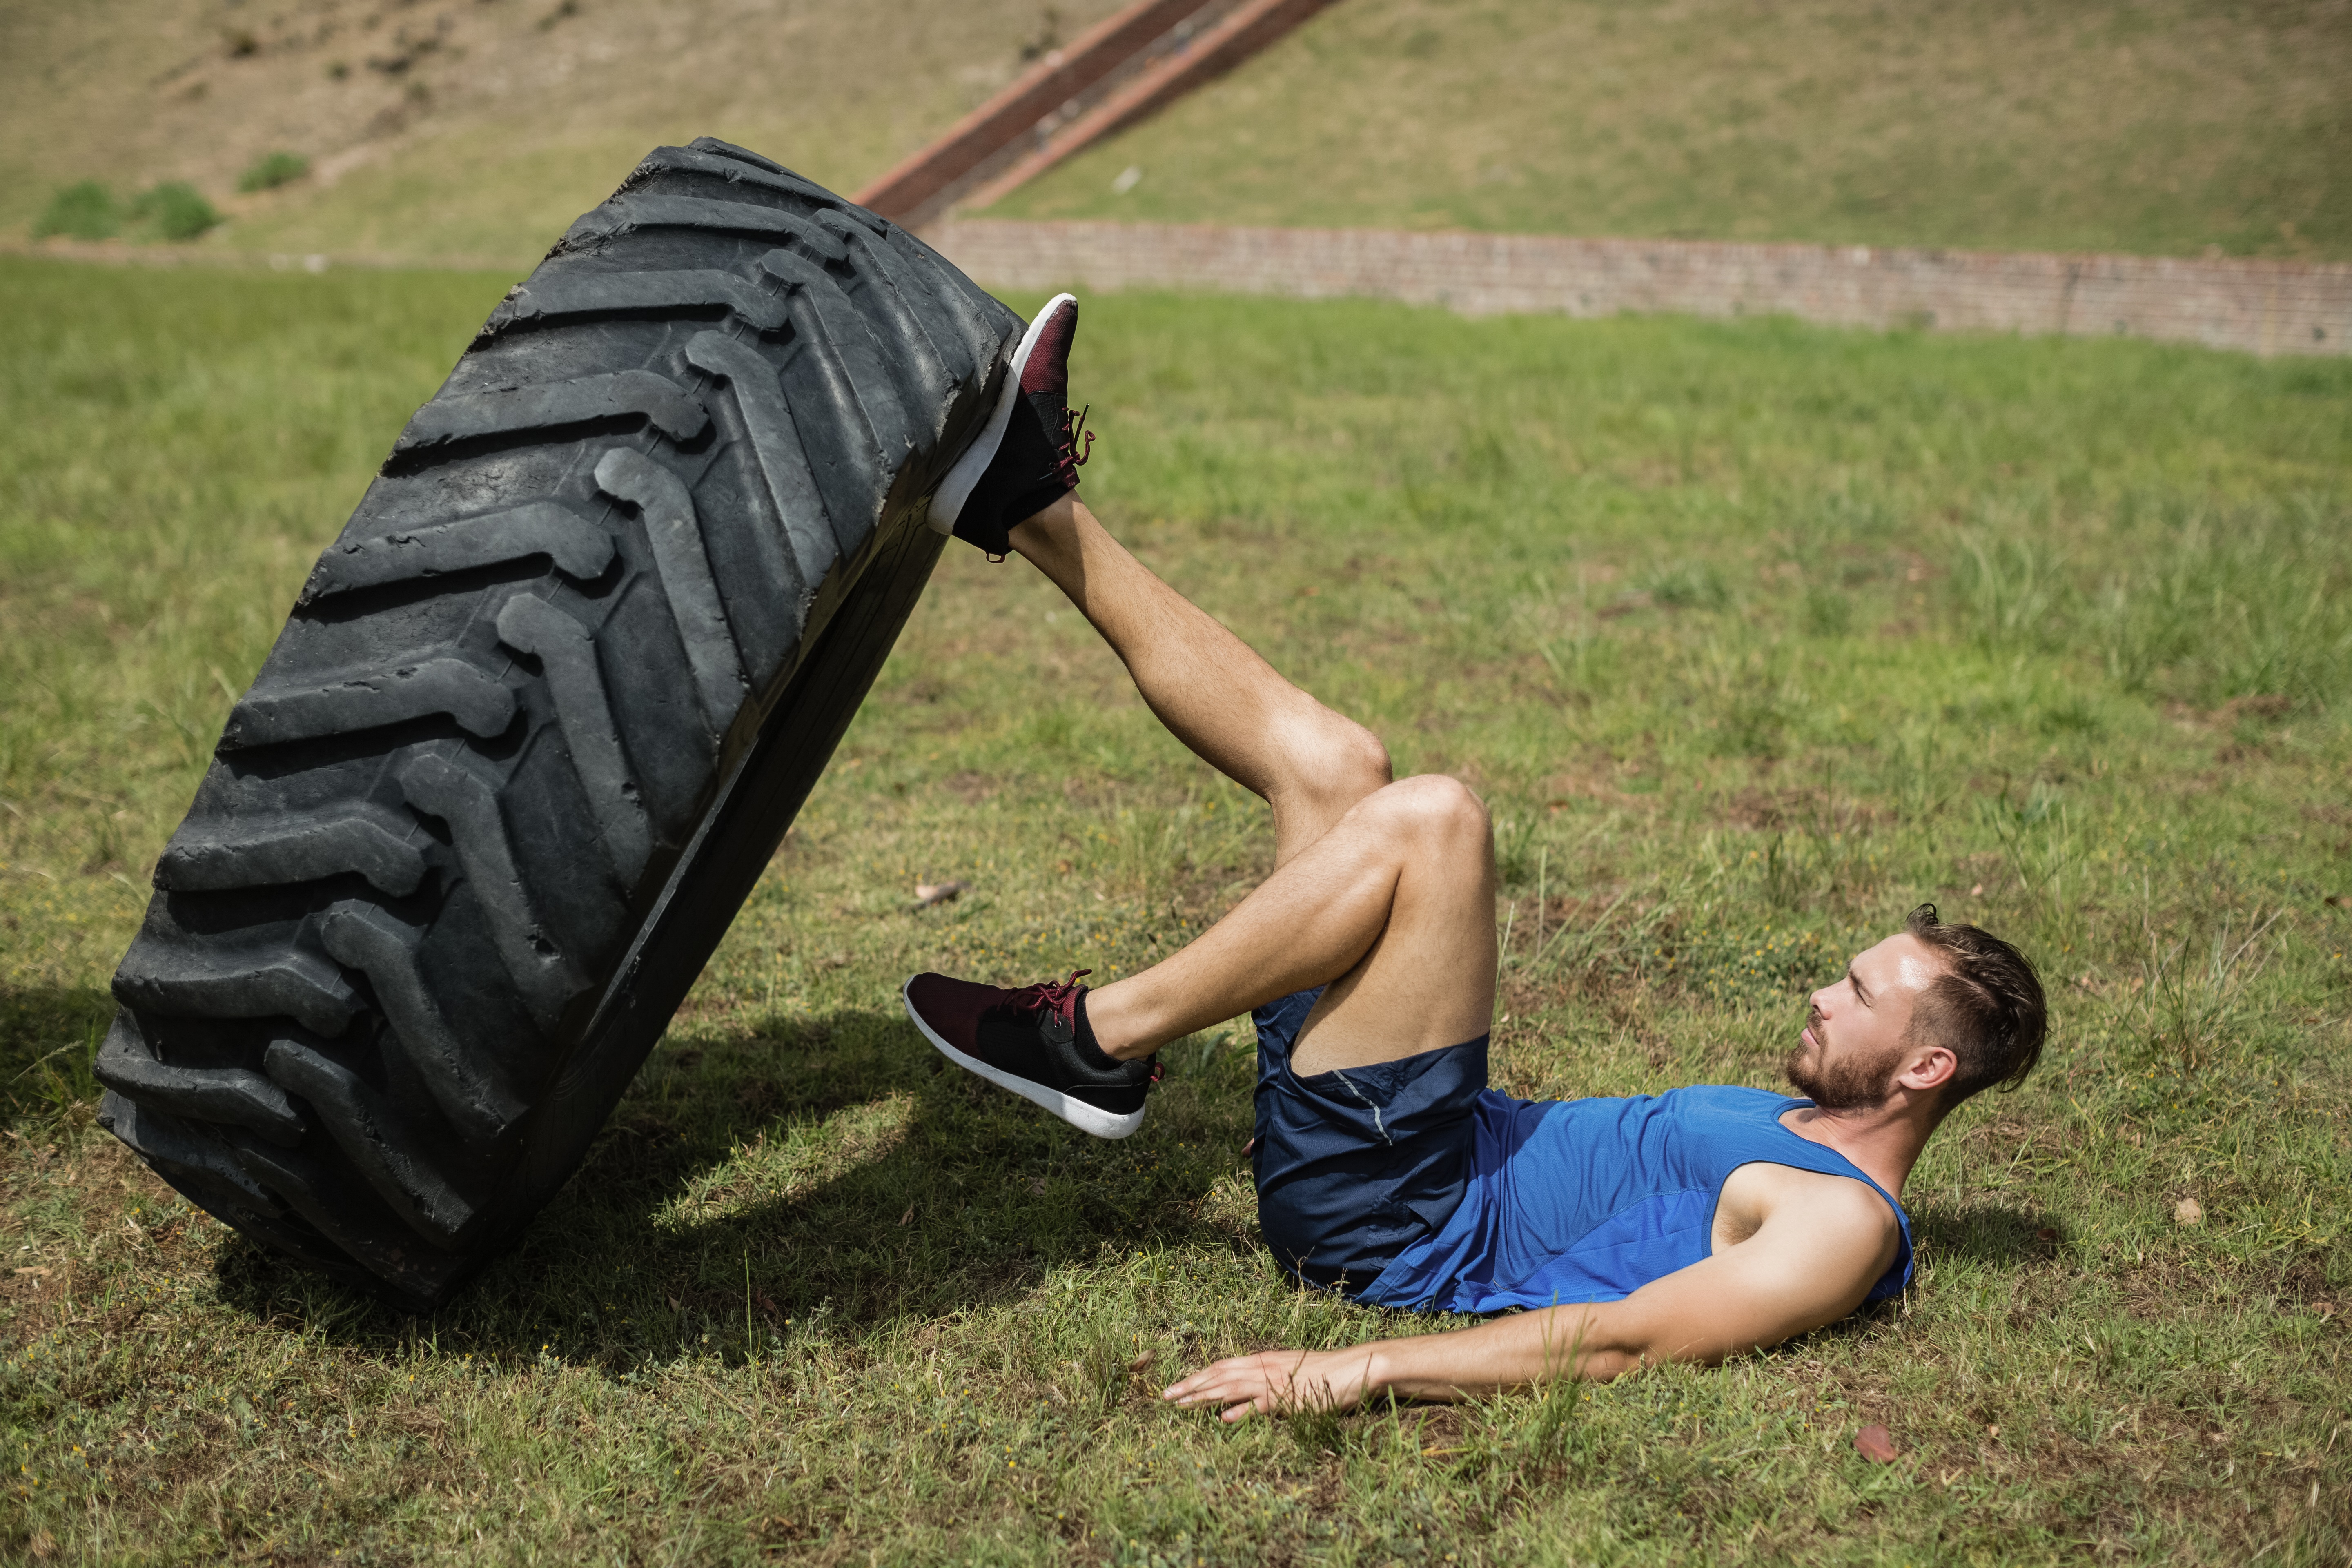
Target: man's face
<point x="1852" y="1047"/>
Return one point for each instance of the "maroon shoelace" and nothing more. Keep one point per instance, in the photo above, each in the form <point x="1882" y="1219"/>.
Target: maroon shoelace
<point x="1050" y="995"/>
<point x="1062" y="997"/>
<point x="1073" y="457"/>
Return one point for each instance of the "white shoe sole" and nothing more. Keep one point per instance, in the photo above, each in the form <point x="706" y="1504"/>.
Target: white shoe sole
<point x="947" y="503"/>
<point x="1076" y="1112"/>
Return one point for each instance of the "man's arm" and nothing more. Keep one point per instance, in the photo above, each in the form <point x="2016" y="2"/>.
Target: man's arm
<point x="1809" y="1264"/>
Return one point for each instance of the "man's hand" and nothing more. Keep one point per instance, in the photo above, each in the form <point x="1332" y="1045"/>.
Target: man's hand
<point x="1279" y="1383"/>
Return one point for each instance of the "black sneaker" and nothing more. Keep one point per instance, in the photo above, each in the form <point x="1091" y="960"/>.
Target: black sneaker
<point x="1027" y="455"/>
<point x="1028" y="1041"/>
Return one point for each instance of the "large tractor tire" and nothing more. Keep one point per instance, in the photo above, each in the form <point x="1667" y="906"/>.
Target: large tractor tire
<point x="541" y="716"/>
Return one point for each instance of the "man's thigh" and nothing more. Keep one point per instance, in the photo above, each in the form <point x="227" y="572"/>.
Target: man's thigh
<point x="1428" y="980"/>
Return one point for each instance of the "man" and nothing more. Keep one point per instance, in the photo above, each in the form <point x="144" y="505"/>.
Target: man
<point x="1692" y="1225"/>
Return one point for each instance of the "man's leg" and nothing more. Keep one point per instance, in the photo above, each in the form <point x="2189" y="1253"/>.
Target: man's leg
<point x="1210" y="688"/>
<point x="1395" y="906"/>
<point x="1384" y="890"/>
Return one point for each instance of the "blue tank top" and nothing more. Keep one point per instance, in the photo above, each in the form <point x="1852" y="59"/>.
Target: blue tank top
<point x="1589" y="1200"/>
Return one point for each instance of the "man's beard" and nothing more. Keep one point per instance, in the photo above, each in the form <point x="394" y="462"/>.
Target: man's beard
<point x="1842" y="1084"/>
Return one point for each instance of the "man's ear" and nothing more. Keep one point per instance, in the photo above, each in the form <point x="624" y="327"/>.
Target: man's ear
<point x="1929" y="1067"/>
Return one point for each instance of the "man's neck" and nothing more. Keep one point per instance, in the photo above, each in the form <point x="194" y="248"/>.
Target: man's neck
<point x="1882" y="1141"/>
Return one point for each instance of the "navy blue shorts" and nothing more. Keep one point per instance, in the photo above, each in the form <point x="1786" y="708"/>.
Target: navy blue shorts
<point x="1355" y="1164"/>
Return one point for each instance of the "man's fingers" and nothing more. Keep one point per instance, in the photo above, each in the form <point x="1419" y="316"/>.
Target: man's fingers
<point x="1239" y="1389"/>
<point x="1197" y="1390"/>
<point x="1218" y="1381"/>
<point x="1272" y="1384"/>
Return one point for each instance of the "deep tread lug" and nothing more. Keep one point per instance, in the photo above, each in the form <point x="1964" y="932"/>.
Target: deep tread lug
<point x="922" y="371"/>
<point x="475" y="1099"/>
<point x="189" y="1156"/>
<point x="211" y="859"/>
<point x="831" y="363"/>
<point x="579" y="548"/>
<point x="222" y="982"/>
<point x="707" y="155"/>
<point x="622" y="215"/>
<point x="667" y="508"/>
<point x="312" y="1191"/>
<point x="363" y="1127"/>
<point x="568" y="651"/>
<point x="545" y="978"/>
<point x="546" y="409"/>
<point x="371" y="698"/>
<point x="822" y="311"/>
<point x="782" y="458"/>
<point x="591" y="296"/>
<point x="231" y="1094"/>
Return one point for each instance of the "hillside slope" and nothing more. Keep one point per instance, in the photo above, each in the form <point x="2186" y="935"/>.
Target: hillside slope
<point x="478" y="129"/>
<point x="2154" y="126"/>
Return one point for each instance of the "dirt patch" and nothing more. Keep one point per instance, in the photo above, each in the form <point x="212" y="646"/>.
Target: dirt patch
<point x="1604" y="780"/>
<point x="2265" y="707"/>
<point x="1809" y="808"/>
<point x="970" y="787"/>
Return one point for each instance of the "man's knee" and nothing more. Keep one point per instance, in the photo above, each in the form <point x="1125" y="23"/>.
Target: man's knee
<point x="1357" y="759"/>
<point x="1339" y="761"/>
<point x="1435" y="808"/>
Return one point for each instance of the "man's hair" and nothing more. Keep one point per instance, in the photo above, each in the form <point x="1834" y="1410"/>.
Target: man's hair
<point x="1986" y="1008"/>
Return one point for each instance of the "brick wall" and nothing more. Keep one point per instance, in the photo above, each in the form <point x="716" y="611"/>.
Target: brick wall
<point x="2262" y="307"/>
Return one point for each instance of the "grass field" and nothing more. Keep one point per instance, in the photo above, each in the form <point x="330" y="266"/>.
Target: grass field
<point x="1752" y="634"/>
<point x="443" y="129"/>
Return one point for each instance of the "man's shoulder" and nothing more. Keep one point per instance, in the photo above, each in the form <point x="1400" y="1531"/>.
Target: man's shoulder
<point x="1848" y="1198"/>
<point x="1822" y="1197"/>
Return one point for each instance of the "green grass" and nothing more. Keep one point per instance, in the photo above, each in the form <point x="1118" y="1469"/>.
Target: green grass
<point x="2154" y="126"/>
<point x="1752" y="634"/>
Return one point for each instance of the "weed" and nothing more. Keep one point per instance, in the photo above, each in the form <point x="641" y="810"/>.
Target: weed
<point x="2009" y="589"/>
<point x="272" y="170"/>
<point x="84" y="211"/>
<point x="2194" y="998"/>
<point x="1686" y="585"/>
<point x="175" y="210"/>
<point x="1828" y="611"/>
<point x="2236" y="606"/>
<point x="1515" y="850"/>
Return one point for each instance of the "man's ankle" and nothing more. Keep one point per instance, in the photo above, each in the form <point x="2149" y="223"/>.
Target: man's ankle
<point x="1052" y="532"/>
<point x="1117" y="1034"/>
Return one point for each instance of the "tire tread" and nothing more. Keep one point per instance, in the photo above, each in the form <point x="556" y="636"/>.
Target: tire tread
<point x="577" y="656"/>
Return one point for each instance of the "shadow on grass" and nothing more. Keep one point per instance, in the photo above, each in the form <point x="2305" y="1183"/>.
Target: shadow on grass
<point x="1991" y="1234"/>
<point x="47" y="1037"/>
<point x="833" y="1177"/>
<point x="692" y="1226"/>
